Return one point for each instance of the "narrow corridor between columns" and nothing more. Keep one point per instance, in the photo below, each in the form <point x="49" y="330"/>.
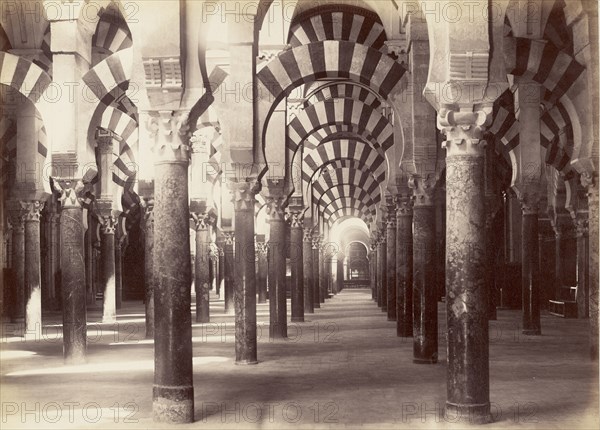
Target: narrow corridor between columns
<point x="344" y="367"/>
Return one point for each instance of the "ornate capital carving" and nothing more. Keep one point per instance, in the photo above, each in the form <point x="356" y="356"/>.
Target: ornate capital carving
<point x="529" y="197"/>
<point x="32" y="210"/>
<point x="423" y="188"/>
<point x="404" y="205"/>
<point x="244" y="195"/>
<point x="228" y="237"/>
<point x="71" y="192"/>
<point x="108" y="224"/>
<point x="296" y="218"/>
<point x="170" y="131"/>
<point x="274" y="208"/>
<point x="16" y="216"/>
<point x="308" y="235"/>
<point x="261" y="248"/>
<point x="581" y="226"/>
<point x="104" y="141"/>
<point x="464" y="130"/>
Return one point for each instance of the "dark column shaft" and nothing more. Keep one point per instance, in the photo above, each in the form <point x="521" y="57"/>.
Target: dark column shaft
<point x="201" y="272"/>
<point x="404" y="270"/>
<point x="340" y="273"/>
<point x="382" y="254"/>
<point x="316" y="256"/>
<point x="107" y="235"/>
<point x="119" y="273"/>
<point x="18" y="266"/>
<point x="531" y="274"/>
<point x="228" y="272"/>
<point x="261" y="272"/>
<point x="425" y="348"/>
<point x="373" y="272"/>
<point x="73" y="281"/>
<point x="322" y="274"/>
<point x="467" y="300"/>
<point x="297" y="271"/>
<point x="277" y="290"/>
<point x="173" y="392"/>
<point x="33" y="287"/>
<point x="583" y="277"/>
<point x="307" y="272"/>
<point x="148" y="269"/>
<point x="391" y="266"/>
<point x="245" y="275"/>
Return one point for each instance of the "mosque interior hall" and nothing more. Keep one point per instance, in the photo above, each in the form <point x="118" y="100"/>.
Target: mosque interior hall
<point x="299" y="214"/>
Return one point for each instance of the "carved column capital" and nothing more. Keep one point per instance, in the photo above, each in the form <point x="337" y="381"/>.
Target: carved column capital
<point x="71" y="192"/>
<point x="261" y="248"/>
<point x="104" y="142"/>
<point x="581" y="226"/>
<point x="244" y="195"/>
<point x="16" y="216"/>
<point x="275" y="208"/>
<point x="148" y="212"/>
<point x="32" y="210"/>
<point x="464" y="130"/>
<point x="307" y="235"/>
<point x="170" y="132"/>
<point x="296" y="218"/>
<point x="529" y="198"/>
<point x="228" y="237"/>
<point x="423" y="187"/>
<point x="404" y="205"/>
<point x="108" y="224"/>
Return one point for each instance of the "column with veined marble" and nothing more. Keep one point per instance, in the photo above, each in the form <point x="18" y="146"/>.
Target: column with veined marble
<point x="307" y="271"/>
<point x="17" y="221"/>
<point x="244" y="200"/>
<point x="262" y="266"/>
<point x="32" y="211"/>
<point x="228" y="270"/>
<point x="373" y="269"/>
<point x="201" y="221"/>
<point x="296" y="261"/>
<point x="391" y="258"/>
<point x="108" y="225"/>
<point x="466" y="298"/>
<point x="381" y="270"/>
<point x="404" y="265"/>
<point x="173" y="391"/>
<point x="277" y="264"/>
<point x="425" y="341"/>
<point x="316" y="257"/>
<point x="148" y="269"/>
<point x="72" y="261"/>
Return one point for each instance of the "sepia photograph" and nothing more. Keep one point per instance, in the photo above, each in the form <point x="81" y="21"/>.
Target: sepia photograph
<point x="299" y="214"/>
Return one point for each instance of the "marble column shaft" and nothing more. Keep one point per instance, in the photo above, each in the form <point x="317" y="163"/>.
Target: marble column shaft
<point x="308" y="272"/>
<point x="228" y="271"/>
<point x="297" y="263"/>
<point x="530" y="271"/>
<point x="202" y="267"/>
<point x="382" y="271"/>
<point x="18" y="264"/>
<point x="33" y="287"/>
<point x="391" y="263"/>
<point x="277" y="282"/>
<point x="244" y="199"/>
<point x="425" y="341"/>
<point x="148" y="267"/>
<point x="72" y="258"/>
<point x="593" y="261"/>
<point x="261" y="271"/>
<point x="467" y="299"/>
<point x="404" y="268"/>
<point x="107" y="235"/>
<point x="316" y="272"/>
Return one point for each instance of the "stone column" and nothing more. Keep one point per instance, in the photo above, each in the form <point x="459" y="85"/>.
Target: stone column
<point x="201" y="221"/>
<point x="72" y="261"/>
<point x="296" y="260"/>
<point x="108" y="225"/>
<point x="404" y="265"/>
<point x="54" y="260"/>
<point x="228" y="271"/>
<point x="316" y="273"/>
<point x="583" y="285"/>
<point x="261" y="271"/>
<point x="244" y="199"/>
<point x="18" y="262"/>
<point x="467" y="299"/>
<point x="373" y="270"/>
<point x="391" y="259"/>
<point x="277" y="287"/>
<point x="32" y="211"/>
<point x="308" y="272"/>
<point x="530" y="252"/>
<point x="120" y="244"/>
<point x="173" y="391"/>
<point x="148" y="263"/>
<point x="591" y="184"/>
<point x="493" y="205"/>
<point x="425" y="343"/>
<point x="221" y="271"/>
<point x="340" y="272"/>
<point x="323" y="293"/>
<point x="382" y="271"/>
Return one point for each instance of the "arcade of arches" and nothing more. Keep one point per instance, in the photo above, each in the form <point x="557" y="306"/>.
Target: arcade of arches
<point x="180" y="165"/>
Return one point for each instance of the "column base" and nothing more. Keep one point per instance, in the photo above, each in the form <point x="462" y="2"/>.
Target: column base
<point x="317" y="305"/>
<point x="297" y="319"/>
<point x="246" y="362"/>
<point x="472" y="414"/>
<point x="202" y="320"/>
<point x="432" y="360"/>
<point x="391" y="319"/>
<point x="75" y="359"/>
<point x="173" y="404"/>
<point x="532" y="332"/>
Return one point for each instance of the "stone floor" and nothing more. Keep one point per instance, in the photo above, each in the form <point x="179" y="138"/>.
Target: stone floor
<point x="343" y="368"/>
